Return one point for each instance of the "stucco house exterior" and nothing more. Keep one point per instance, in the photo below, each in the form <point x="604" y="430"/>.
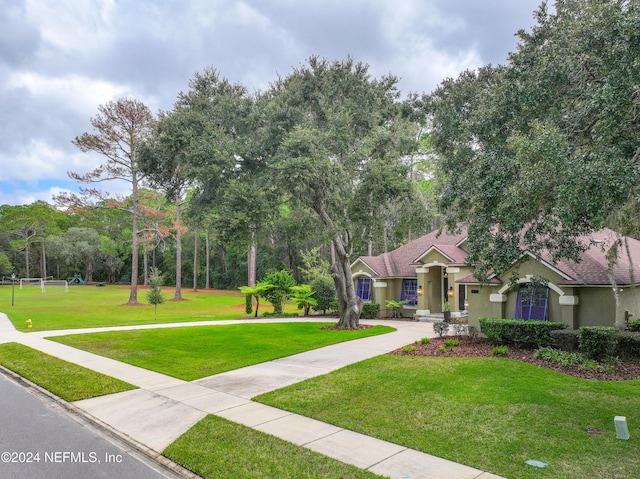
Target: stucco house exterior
<point x="431" y="270"/>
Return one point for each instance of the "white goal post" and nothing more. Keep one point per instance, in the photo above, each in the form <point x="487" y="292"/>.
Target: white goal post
<point x="32" y="281"/>
<point x="55" y="282"/>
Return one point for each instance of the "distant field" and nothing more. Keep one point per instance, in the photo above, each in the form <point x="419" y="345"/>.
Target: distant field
<point x="91" y="306"/>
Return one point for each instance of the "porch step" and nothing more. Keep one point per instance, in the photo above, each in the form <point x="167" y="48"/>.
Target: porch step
<point x="430" y="317"/>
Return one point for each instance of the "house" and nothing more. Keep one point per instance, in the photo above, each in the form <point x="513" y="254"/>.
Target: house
<point x="432" y="270"/>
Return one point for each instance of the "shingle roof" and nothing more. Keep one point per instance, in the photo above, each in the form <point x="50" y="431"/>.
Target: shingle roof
<point x="591" y="270"/>
<point x="402" y="262"/>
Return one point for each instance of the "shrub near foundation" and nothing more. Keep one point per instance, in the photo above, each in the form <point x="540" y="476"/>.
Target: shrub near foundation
<point x="370" y="311"/>
<point x="520" y="333"/>
<point x="598" y="342"/>
<point x="628" y="344"/>
<point x="634" y="325"/>
<point x="565" y="339"/>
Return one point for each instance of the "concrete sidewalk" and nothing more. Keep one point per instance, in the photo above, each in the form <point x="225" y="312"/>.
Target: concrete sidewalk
<point x="165" y="407"/>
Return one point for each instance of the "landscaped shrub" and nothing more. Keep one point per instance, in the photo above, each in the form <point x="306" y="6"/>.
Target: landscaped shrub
<point x="459" y="329"/>
<point x="566" y="358"/>
<point x="440" y="328"/>
<point x="451" y="343"/>
<point x="324" y="291"/>
<point x="273" y="314"/>
<point x="634" y="325"/>
<point x="565" y="339"/>
<point x="500" y="351"/>
<point x="425" y="340"/>
<point x="559" y="356"/>
<point x="532" y="334"/>
<point x="370" y="310"/>
<point x="598" y="342"/>
<point x="282" y="281"/>
<point x="472" y="332"/>
<point x="628" y="344"/>
<point x="248" y="303"/>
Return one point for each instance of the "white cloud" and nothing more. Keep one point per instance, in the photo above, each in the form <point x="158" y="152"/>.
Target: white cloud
<point x="38" y="160"/>
<point x="78" y="92"/>
<point x="72" y="26"/>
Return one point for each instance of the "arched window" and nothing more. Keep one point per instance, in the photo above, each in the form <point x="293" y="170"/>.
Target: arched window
<point x="531" y="302"/>
<point x="363" y="288"/>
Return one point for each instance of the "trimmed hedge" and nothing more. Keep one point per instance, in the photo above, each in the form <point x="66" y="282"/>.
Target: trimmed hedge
<point x="634" y="325"/>
<point x="598" y="342"/>
<point x="520" y="333"/>
<point x="565" y="339"/>
<point x="628" y="344"/>
<point x="370" y="310"/>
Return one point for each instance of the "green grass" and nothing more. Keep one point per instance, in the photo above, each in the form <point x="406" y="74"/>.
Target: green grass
<point x="199" y="351"/>
<point x="90" y="306"/>
<point x="66" y="380"/>
<point x="492" y="414"/>
<point x="216" y="448"/>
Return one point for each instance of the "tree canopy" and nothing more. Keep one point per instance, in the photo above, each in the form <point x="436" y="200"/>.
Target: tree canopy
<point x="537" y="152"/>
<point x="338" y="137"/>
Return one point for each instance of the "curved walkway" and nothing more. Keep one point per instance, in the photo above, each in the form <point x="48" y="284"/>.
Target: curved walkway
<point x="165" y="407"/>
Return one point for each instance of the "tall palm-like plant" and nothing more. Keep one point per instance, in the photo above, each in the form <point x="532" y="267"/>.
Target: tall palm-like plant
<point x="303" y="296"/>
<point x="257" y="291"/>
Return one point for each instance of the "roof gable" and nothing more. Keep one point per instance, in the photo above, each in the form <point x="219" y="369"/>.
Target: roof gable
<point x="402" y="262"/>
<point x="446" y="248"/>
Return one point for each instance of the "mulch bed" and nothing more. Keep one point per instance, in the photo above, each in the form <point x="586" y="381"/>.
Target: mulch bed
<point x="478" y="348"/>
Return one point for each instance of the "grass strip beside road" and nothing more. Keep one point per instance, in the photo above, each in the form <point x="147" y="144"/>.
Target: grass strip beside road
<point x="195" y="352"/>
<point x="491" y="414"/>
<point x="64" y="379"/>
<point x="216" y="448"/>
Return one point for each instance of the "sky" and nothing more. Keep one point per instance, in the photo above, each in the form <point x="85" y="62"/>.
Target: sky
<point x="61" y="59"/>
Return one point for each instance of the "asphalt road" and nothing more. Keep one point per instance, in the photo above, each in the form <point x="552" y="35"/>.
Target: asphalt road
<point x="40" y="440"/>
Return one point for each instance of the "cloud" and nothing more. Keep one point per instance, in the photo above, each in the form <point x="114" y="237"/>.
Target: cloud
<point x="60" y="60"/>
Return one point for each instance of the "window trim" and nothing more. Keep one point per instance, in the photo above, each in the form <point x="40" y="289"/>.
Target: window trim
<point x="409" y="291"/>
<point x="360" y="282"/>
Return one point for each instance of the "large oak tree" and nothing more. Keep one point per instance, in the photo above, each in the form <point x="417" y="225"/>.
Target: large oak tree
<point x="544" y="149"/>
<point x="338" y="136"/>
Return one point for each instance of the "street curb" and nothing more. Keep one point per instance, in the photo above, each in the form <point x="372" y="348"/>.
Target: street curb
<point x="85" y="418"/>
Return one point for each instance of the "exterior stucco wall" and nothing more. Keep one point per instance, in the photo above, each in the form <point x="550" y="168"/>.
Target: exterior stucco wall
<point x="597" y="307"/>
<point x="629" y="300"/>
<point x="479" y="304"/>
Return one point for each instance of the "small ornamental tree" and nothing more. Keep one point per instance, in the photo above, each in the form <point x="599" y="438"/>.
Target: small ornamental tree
<point x="324" y="292"/>
<point x="303" y="296"/>
<point x="282" y="282"/>
<point x="256" y="291"/>
<point x="154" y="295"/>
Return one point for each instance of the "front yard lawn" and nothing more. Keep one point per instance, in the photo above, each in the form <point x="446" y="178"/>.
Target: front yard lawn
<point x="216" y="448"/>
<point x="195" y="352"/>
<point x="492" y="414"/>
<point x="66" y="380"/>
